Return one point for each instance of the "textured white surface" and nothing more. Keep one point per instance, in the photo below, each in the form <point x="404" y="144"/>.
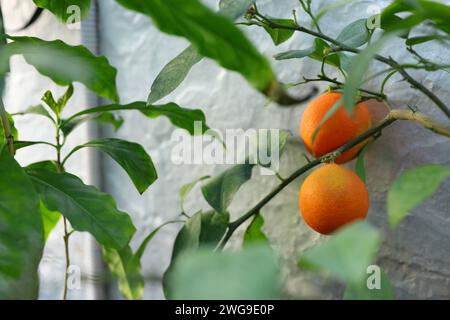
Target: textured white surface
<point x="414" y="256"/>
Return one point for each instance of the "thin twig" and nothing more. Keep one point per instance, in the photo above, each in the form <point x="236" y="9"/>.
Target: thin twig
<point x="66" y="250"/>
<point x="307" y="8"/>
<point x="389" y="61"/>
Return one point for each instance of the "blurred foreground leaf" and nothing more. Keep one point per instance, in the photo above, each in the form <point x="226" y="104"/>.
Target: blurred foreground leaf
<point x="201" y="230"/>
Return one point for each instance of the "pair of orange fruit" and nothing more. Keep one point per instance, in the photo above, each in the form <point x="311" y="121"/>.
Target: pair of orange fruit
<point x="333" y="195"/>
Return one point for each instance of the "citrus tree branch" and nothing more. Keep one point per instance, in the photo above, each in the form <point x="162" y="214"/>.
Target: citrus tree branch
<point x="342" y="47"/>
<point x="375" y="131"/>
<point x="421" y="119"/>
<point x="339" y="84"/>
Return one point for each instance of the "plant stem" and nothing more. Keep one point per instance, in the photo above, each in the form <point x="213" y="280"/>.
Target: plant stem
<point x="66" y="250"/>
<point x="393" y="116"/>
<point x="66" y="236"/>
<point x="389" y="61"/>
<point x="6" y="129"/>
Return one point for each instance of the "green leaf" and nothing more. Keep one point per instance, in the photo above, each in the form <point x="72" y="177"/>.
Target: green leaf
<point x="64" y="64"/>
<point x="181" y="117"/>
<point x="355" y="34"/>
<point x="234" y="9"/>
<point x="86" y="208"/>
<point x="267" y="157"/>
<point x="110" y="118"/>
<point x="254" y="234"/>
<point x="213" y="227"/>
<point x="22" y="234"/>
<point x="173" y="74"/>
<point x="318" y="51"/>
<point x="212" y="34"/>
<point x="359" y="66"/>
<point x="219" y="191"/>
<point x="49" y="219"/>
<point x="126" y="270"/>
<point x="24" y="144"/>
<point x="360" y="167"/>
<point x="347" y="254"/>
<point x="201" y="230"/>
<point x="390" y="21"/>
<point x="249" y="274"/>
<point x="420" y="10"/>
<point x="185" y="189"/>
<point x="412" y="188"/>
<point x="56" y="106"/>
<point x="132" y="157"/>
<point x="361" y="291"/>
<point x="328" y="115"/>
<point x="321" y="52"/>
<point x="64" y="10"/>
<point x="281" y="35"/>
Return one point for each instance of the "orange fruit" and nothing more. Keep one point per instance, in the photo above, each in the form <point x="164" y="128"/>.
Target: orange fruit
<point x="331" y="197"/>
<point x="339" y="129"/>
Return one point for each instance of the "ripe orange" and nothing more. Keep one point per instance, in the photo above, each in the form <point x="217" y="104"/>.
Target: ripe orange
<point x="332" y="196"/>
<point x="339" y="129"/>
